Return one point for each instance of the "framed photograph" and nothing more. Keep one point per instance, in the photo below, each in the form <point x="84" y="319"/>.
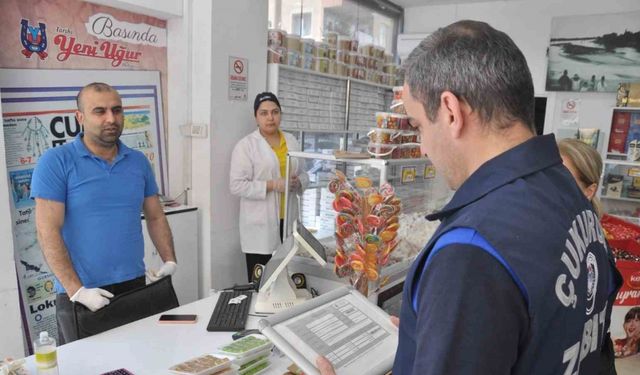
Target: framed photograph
<point x="593" y="53"/>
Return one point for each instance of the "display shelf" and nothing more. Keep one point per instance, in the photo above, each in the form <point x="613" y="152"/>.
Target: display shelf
<point x="632" y="219"/>
<point x="625" y="199"/>
<point x="318" y="101"/>
<point x="379" y="163"/>
<point x="626" y="108"/>
<point x="418" y="197"/>
<point x="621" y="162"/>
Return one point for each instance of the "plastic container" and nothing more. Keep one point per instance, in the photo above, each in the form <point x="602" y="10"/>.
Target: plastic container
<point x="276" y="38"/>
<point x="367" y="50"/>
<point x="293" y="58"/>
<point x="397" y="93"/>
<point x="357" y="72"/>
<point x="342" y="69"/>
<point x="246" y="346"/>
<point x="292" y="42"/>
<point x="332" y="53"/>
<point x="308" y="46"/>
<point x="307" y="62"/>
<point x="276" y="55"/>
<point x="397" y="106"/>
<point x="384" y="136"/>
<point x="388" y="58"/>
<point x="359" y="60"/>
<point x="248" y="358"/>
<point x="333" y="67"/>
<point x="322" y="50"/>
<point x="378" y="53"/>
<point x="354" y="45"/>
<point x="409" y="137"/>
<point x="202" y="365"/>
<point x="344" y="43"/>
<point x="389" y="120"/>
<point x="390" y="68"/>
<point x="373" y="63"/>
<point x="46" y="355"/>
<point x="321" y="64"/>
<point x="407" y="151"/>
<point x="255" y="365"/>
<point x="331" y="38"/>
<point x="381" y="151"/>
<point x="344" y="56"/>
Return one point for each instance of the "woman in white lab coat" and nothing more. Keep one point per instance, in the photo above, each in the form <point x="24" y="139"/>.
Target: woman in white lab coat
<point x="258" y="164"/>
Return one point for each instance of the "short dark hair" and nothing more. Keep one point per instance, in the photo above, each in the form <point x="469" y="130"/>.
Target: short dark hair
<point x="95" y="86"/>
<point x="480" y="65"/>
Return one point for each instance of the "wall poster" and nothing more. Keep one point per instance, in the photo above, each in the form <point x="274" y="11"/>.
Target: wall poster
<point x="39" y="113"/>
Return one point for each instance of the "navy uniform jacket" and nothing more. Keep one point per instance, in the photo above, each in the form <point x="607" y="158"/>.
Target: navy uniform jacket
<point x="516" y="280"/>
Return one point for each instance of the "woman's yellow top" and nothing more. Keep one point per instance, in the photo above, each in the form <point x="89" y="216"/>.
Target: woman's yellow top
<point x="281" y="154"/>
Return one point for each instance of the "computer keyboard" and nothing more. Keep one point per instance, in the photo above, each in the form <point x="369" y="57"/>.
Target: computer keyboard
<point x="230" y="317"/>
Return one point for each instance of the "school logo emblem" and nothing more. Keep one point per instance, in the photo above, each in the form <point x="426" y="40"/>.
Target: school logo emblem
<point x="592" y="282"/>
<point x="34" y="39"/>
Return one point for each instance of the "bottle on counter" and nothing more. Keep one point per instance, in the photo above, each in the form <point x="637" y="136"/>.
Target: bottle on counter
<point x="46" y="354"/>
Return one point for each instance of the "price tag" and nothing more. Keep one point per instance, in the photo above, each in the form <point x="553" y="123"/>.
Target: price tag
<point x="409" y="174"/>
<point x="429" y="171"/>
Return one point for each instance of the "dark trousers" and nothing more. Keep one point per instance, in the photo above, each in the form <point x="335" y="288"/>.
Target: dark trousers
<point x="64" y="308"/>
<point x="253" y="259"/>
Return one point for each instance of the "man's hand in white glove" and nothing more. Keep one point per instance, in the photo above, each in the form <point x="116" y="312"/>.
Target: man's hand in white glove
<point x="93" y="298"/>
<point x="168" y="268"/>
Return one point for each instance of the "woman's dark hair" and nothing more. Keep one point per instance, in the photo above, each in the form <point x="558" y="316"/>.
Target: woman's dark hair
<point x="633" y="313"/>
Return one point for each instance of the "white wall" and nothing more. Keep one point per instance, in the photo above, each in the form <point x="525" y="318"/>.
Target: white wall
<point x="240" y="30"/>
<point x="163" y="9"/>
<point x="11" y="338"/>
<point x="528" y="23"/>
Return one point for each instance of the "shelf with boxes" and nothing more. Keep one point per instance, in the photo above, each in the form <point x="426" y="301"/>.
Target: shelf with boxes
<point x="336" y="55"/>
<point x="620" y="181"/>
<point x="319" y="101"/>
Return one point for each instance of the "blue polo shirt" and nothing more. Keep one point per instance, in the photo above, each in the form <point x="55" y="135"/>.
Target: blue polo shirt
<point x="102" y="228"/>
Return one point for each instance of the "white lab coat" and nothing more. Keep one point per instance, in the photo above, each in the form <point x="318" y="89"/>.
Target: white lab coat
<point x="253" y="163"/>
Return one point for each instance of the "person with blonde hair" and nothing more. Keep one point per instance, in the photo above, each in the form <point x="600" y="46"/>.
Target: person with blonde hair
<point x="585" y="165"/>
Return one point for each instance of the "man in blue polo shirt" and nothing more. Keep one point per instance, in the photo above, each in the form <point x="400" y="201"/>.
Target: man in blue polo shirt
<point x="517" y="278"/>
<point x="89" y="194"/>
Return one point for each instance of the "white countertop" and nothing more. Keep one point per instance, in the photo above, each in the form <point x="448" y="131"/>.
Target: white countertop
<point x="146" y="347"/>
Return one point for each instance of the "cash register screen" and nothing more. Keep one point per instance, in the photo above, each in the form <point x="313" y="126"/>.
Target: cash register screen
<point x="285" y="252"/>
<point x="311" y="240"/>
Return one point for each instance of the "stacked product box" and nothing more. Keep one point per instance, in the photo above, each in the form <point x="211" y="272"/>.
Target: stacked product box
<point x="619" y="131"/>
<point x="337" y="55"/>
<point x="393" y="137"/>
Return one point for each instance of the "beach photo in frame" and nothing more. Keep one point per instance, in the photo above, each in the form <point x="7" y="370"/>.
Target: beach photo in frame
<point x="593" y="53"/>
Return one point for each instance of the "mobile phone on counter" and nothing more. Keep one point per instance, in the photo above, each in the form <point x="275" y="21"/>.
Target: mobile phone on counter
<point x="178" y="318"/>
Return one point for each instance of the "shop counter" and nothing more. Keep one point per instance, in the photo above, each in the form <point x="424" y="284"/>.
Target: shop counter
<point x="147" y="347"/>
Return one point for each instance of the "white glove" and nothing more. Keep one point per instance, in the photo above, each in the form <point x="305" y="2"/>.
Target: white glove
<point x="168" y="268"/>
<point x="278" y="185"/>
<point x="94" y="298"/>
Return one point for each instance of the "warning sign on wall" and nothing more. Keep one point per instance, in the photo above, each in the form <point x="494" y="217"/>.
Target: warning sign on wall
<point x="238" y="78"/>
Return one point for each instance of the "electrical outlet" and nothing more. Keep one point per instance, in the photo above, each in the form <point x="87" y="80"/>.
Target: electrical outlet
<point x="198" y="130"/>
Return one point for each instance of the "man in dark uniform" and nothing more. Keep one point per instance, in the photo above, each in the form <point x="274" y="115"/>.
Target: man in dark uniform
<point x="517" y="279"/>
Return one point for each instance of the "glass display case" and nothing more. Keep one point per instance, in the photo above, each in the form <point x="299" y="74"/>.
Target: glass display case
<point x="620" y="190"/>
<point x="415" y="183"/>
<point x="326" y="141"/>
